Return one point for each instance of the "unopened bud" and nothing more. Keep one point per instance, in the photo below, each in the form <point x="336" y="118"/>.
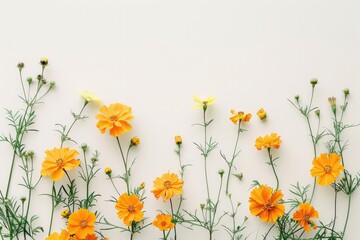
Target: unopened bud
<point x="20" y="65"/>
<point x="346" y="92"/>
<point x="44" y="62"/>
<point x="84" y="147"/>
<point x="221" y="172"/>
<point x="52" y="84"/>
<point x="29" y="80"/>
<point x="202" y="206"/>
<point x="313" y="81"/>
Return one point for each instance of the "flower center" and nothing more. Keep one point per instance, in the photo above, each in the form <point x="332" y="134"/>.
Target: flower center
<point x="113" y="118"/>
<point x="83" y="223"/>
<point x="306" y="217"/>
<point x="268" y="206"/>
<point x="163" y="224"/>
<point x="167" y="184"/>
<point x="205" y="103"/>
<point x="327" y="169"/>
<point x="59" y="161"/>
<point x="131" y="209"/>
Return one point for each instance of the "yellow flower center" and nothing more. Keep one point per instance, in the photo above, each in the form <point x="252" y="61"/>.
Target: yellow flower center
<point x="306" y="217"/>
<point x="113" y="118"/>
<point x="167" y="184"/>
<point x="205" y="103"/>
<point x="327" y="169"/>
<point x="59" y="161"/>
<point x="83" y="223"/>
<point x="131" y="209"/>
<point x="268" y="206"/>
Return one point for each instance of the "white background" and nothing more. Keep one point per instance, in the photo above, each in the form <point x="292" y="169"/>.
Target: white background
<point x="154" y="55"/>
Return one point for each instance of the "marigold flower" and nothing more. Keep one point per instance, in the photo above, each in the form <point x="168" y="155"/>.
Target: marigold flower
<point x="163" y="222"/>
<point x="64" y="235"/>
<point x="115" y="119"/>
<point x="129" y="208"/>
<point x="81" y="223"/>
<point x="90" y="97"/>
<point x="203" y="103"/>
<point x="167" y="185"/>
<point x="135" y="141"/>
<point x="261" y="113"/>
<point x="326" y="168"/>
<point x="303" y="215"/>
<point x="239" y="116"/>
<point x="268" y="141"/>
<point x="65" y="213"/>
<point x="178" y="140"/>
<point x="57" y="160"/>
<point x="264" y="203"/>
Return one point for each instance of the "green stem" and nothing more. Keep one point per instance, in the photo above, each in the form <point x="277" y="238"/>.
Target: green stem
<point x="347" y="214"/>
<point x="53" y="193"/>
<point x="230" y="164"/>
<point x="87" y="178"/>
<point x="164" y="236"/>
<point x="273" y="168"/>
<point x="335" y="208"/>
<point x="127" y="175"/>
<point x="172" y="212"/>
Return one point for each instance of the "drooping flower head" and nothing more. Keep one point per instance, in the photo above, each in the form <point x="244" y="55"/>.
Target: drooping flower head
<point x="81" y="223"/>
<point x="114" y="118"/>
<point x="268" y="141"/>
<point x="261" y="113"/>
<point x="203" y="103"/>
<point x="327" y="168"/>
<point x="264" y="203"/>
<point x="129" y="208"/>
<point x="163" y="222"/>
<point x="240" y="116"/>
<point x="167" y="185"/>
<point x="90" y="97"/>
<point x="304" y="214"/>
<point x="57" y="160"/>
<point x="64" y="235"/>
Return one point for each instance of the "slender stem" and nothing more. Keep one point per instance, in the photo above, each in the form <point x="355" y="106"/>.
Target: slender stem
<point x="230" y="164"/>
<point x="233" y="219"/>
<point x="112" y="182"/>
<point x="53" y="193"/>
<point x="87" y="177"/>
<point x="172" y="212"/>
<point x="127" y="175"/>
<point x="273" y="168"/>
<point x="164" y="236"/>
<point x="10" y="175"/>
<point x="335" y="208"/>
<point x="347" y="214"/>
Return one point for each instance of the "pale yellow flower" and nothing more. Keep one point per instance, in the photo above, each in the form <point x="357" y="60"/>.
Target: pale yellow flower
<point x="203" y="103"/>
<point x="90" y="97"/>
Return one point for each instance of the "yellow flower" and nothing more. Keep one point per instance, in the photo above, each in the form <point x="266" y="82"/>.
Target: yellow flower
<point x="115" y="119"/>
<point x="264" y="203"/>
<point x="178" y="140"/>
<point x="303" y="215"/>
<point x="268" y="141"/>
<point x="239" y="116"/>
<point x="163" y="222"/>
<point x="203" y="103"/>
<point x="90" y="97"/>
<point x="326" y="168"/>
<point x="91" y="237"/>
<point x="81" y="223"/>
<point x="108" y="171"/>
<point x="261" y="113"/>
<point x="167" y="186"/>
<point x="65" y="213"/>
<point x="129" y="208"/>
<point x="64" y="235"/>
<point x="57" y="160"/>
<point x="135" y="141"/>
<point x="44" y="62"/>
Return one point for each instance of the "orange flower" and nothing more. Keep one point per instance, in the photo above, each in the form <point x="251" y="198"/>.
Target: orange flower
<point x="167" y="186"/>
<point x="91" y="237"/>
<point x="129" y="208"/>
<point x="326" y="168"/>
<point x="64" y="235"/>
<point x="163" y="222"/>
<point x="114" y="118"/>
<point x="58" y="160"/>
<point x="268" y="141"/>
<point x="261" y="113"/>
<point x="240" y="116"/>
<point x="264" y="203"/>
<point x="81" y="223"/>
<point x="303" y="215"/>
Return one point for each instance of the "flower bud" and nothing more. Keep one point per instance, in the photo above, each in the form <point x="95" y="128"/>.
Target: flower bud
<point x="332" y="101"/>
<point x="202" y="206"/>
<point x="239" y="176"/>
<point x="52" y="84"/>
<point x="135" y="141"/>
<point x="39" y="77"/>
<point x="20" y="65"/>
<point x="317" y="112"/>
<point x="84" y="147"/>
<point x="346" y="92"/>
<point x="142" y="185"/>
<point x="65" y="213"/>
<point x="313" y="81"/>
<point x="178" y="140"/>
<point x="297" y="97"/>
<point x="44" y="62"/>
<point x="29" y="80"/>
<point x="261" y="113"/>
<point x="23" y="199"/>
<point x="221" y="172"/>
<point x="94" y="159"/>
<point x="108" y="171"/>
<point x="43" y="81"/>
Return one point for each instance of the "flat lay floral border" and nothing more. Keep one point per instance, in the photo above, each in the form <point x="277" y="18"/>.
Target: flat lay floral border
<point x="293" y="218"/>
